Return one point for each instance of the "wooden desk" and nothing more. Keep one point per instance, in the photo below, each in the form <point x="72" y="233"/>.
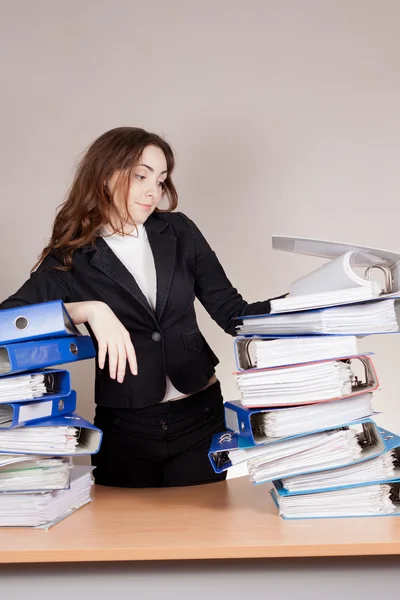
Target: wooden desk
<point x="182" y="538"/>
<point x="233" y="519"/>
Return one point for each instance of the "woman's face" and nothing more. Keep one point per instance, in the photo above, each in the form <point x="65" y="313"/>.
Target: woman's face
<point x="146" y="187"/>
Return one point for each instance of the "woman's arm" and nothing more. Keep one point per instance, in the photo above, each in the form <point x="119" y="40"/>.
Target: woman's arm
<point x="45" y="284"/>
<point x="213" y="288"/>
<point x="48" y="283"/>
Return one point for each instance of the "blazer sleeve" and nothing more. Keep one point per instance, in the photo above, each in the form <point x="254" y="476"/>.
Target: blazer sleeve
<point x="213" y="288"/>
<point x="45" y="284"/>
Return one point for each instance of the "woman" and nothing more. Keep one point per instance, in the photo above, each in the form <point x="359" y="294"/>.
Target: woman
<point x="131" y="272"/>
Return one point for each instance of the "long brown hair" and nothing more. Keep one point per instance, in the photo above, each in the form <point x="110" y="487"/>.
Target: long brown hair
<point x="88" y="205"/>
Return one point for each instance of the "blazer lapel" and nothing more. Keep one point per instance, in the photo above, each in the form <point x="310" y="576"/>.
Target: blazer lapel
<point x="163" y="246"/>
<point x="106" y="261"/>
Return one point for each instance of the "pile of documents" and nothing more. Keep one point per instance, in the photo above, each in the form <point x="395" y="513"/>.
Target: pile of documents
<point x="304" y="422"/>
<point x="40" y="432"/>
<point x="376" y="316"/>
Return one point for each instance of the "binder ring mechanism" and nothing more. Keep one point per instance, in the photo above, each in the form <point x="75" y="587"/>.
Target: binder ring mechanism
<point x="370" y="378"/>
<point x="388" y="289"/>
<point x="50" y="382"/>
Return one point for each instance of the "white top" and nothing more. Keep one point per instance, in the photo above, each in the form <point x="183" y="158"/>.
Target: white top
<point x="135" y="253"/>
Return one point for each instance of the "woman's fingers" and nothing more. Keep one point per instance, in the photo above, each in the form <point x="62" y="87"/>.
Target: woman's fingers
<point x="112" y="359"/>
<point x="121" y="362"/>
<point x="102" y="353"/>
<point x="120" y="350"/>
<point x="131" y="356"/>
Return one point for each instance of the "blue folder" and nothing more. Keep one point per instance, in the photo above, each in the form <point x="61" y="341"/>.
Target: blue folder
<point x="31" y="356"/>
<point x="35" y="321"/>
<point x="17" y="414"/>
<point x="58" y="383"/>
<point x="89" y="436"/>
<point x="221" y="444"/>
<point x="239" y="419"/>
<point x="376" y="442"/>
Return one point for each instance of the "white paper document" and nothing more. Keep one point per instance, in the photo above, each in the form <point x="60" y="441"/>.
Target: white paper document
<point x="322" y="299"/>
<point x="357" y="502"/>
<point x="47" y="508"/>
<point x="303" y="384"/>
<point x="22" y="387"/>
<point x="375" y="469"/>
<point x="11" y="459"/>
<point x="284" y="422"/>
<point x="265" y="353"/>
<point x="357" y="319"/>
<point x="55" y="440"/>
<point x="320" y="450"/>
<point x="36" y="474"/>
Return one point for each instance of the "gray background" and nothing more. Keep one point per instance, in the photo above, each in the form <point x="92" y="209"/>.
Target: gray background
<point x="285" y="119"/>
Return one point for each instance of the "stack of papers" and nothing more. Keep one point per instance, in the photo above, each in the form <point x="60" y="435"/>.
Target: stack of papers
<point x="302" y="384"/>
<point x="47" y="508"/>
<point x="54" y="440"/>
<point x="36" y="474"/>
<point x="356" y="502"/>
<point x="11" y="459"/>
<point x="278" y="449"/>
<point x="283" y="422"/>
<point x="357" y="319"/>
<point x="380" y="468"/>
<point x="293" y="351"/>
<point x="311" y="452"/>
<point x="240" y="455"/>
<point x="324" y="299"/>
<point x="23" y="387"/>
<point x="302" y="398"/>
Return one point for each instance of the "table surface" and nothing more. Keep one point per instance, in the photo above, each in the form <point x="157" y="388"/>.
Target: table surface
<point x="228" y="520"/>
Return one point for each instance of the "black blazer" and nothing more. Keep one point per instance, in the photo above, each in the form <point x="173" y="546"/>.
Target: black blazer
<point x="167" y="341"/>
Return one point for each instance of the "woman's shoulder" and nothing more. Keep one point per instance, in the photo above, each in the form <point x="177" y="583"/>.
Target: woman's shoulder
<point x="179" y="222"/>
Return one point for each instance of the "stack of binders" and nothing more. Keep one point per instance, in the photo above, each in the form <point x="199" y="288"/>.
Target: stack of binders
<point x="40" y="432"/>
<point x="305" y="418"/>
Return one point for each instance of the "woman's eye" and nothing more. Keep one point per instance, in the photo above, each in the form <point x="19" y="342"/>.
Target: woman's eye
<point x="161" y="183"/>
<point x="140" y="177"/>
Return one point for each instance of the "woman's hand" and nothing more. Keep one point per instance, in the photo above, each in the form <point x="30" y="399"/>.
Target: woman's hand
<point x="112" y="337"/>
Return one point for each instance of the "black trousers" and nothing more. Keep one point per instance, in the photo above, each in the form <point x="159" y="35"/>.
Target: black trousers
<point x="162" y="445"/>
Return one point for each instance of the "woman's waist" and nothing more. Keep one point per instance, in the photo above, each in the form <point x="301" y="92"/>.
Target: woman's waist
<point x="209" y="395"/>
<point x="171" y="397"/>
<point x="147" y="389"/>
